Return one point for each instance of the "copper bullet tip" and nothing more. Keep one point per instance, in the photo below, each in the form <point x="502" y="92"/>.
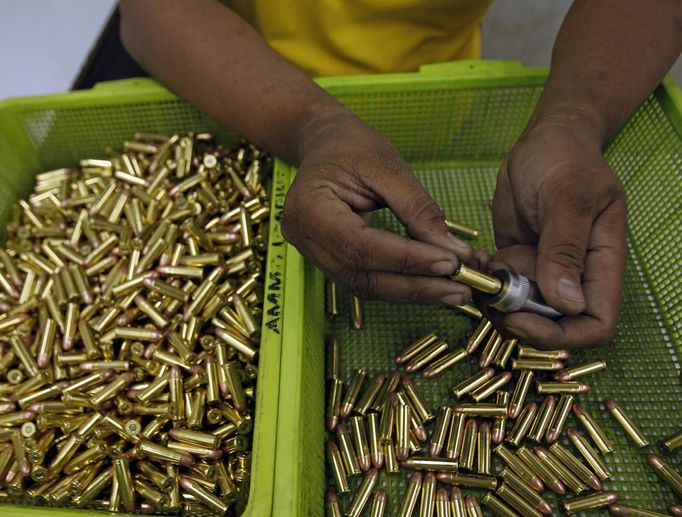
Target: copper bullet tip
<point x="416" y="478"/>
<point x="594" y="483"/>
<point x="552" y="436"/>
<point x="428" y="373"/>
<point x="470" y="502"/>
<point x="514" y="410"/>
<point x="365" y="463"/>
<point x="536" y="484"/>
<point x="655" y="461"/>
<point x="187" y="460"/>
<point x="346" y="410"/>
<point x="610" y="404"/>
<point x="675" y="509"/>
<point x="402" y="453"/>
<point x="619" y="509"/>
<point x="558" y="487"/>
<point x="578" y="409"/>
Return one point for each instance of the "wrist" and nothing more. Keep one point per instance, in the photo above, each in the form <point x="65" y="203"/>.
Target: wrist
<point x="580" y="121"/>
<point x="322" y="118"/>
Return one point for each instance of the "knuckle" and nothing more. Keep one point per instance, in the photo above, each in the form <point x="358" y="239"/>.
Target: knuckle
<point x="363" y="285"/>
<point x="352" y="253"/>
<point x="417" y="296"/>
<point x="569" y="253"/>
<point x="405" y="265"/>
<point x="289" y="218"/>
<point x="425" y="209"/>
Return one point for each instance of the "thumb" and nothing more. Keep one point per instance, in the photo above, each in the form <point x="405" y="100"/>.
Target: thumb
<point x="565" y="227"/>
<point x="421" y="216"/>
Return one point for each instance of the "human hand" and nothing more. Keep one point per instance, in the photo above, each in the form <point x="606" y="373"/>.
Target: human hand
<point x="347" y="170"/>
<point x="559" y="215"/>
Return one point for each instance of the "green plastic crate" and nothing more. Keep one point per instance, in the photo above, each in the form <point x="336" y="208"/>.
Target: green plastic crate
<point x="455" y="123"/>
<point x="46" y="132"/>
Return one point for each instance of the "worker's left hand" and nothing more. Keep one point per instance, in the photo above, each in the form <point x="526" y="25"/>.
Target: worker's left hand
<point x="559" y="215"/>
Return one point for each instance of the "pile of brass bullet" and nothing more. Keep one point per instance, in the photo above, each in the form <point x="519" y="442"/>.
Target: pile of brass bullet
<point x="393" y="427"/>
<point x="130" y="309"/>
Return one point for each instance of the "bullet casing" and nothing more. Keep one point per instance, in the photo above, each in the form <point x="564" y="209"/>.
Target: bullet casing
<point x="483" y="454"/>
<point x="522" y="425"/>
<point x="440" y="430"/>
<point x="478" y="335"/>
<point x="471" y="383"/>
<point x="544" y="415"/>
<point x="358" y="503"/>
<point x="469" y="480"/>
<point x="409" y="501"/>
<point x="589" y="502"/>
<point x="556" y="424"/>
<point x="499" y="425"/>
<point x="626" y="422"/>
<point x="455" y="439"/>
<point x="336" y="465"/>
<point x="595" y="462"/>
<point x="516" y="501"/>
<point x="600" y="439"/>
<point x="497" y="506"/>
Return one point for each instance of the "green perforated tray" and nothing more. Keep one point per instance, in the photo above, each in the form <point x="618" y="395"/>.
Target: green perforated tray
<point x="455" y="124"/>
<point x="46" y="132"/>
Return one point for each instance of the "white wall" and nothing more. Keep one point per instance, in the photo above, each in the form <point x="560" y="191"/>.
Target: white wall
<point x="43" y="43"/>
<point x="525" y="30"/>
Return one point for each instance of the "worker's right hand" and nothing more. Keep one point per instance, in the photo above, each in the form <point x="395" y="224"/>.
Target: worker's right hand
<point x="346" y="171"/>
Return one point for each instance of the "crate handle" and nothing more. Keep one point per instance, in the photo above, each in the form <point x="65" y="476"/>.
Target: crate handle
<point x="132" y="83"/>
<point x="477" y="67"/>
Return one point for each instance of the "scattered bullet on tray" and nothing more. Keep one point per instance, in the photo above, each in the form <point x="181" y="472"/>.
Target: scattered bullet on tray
<point x="510" y="407"/>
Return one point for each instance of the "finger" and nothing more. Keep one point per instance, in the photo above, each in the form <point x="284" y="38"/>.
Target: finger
<point x="570" y="332"/>
<point x="520" y="258"/>
<point x="602" y="285"/>
<point x="381" y="285"/>
<point x="416" y="209"/>
<point x="509" y="228"/>
<point x="480" y="260"/>
<point x="346" y="236"/>
<point x="566" y="217"/>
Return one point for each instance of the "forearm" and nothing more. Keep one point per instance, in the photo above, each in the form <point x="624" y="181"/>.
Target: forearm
<point x="208" y="55"/>
<point x="608" y="56"/>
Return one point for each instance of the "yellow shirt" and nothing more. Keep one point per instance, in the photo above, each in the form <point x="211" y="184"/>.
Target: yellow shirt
<point x="341" y="37"/>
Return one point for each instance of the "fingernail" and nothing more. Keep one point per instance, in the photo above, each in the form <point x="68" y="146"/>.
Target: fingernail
<point x="567" y="290"/>
<point x="454" y="299"/>
<point x="459" y="247"/>
<point x="517" y="331"/>
<point x="444" y="267"/>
